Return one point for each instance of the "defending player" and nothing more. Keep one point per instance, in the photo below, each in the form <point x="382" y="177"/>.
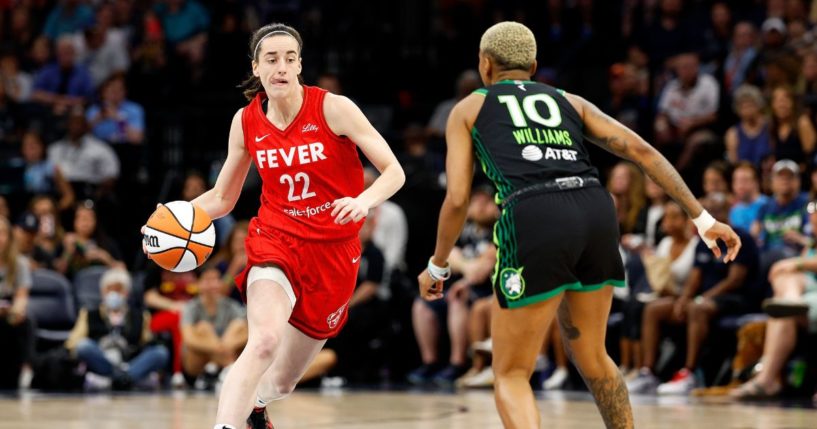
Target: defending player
<point x="302" y="248"/>
<point x="557" y="234"/>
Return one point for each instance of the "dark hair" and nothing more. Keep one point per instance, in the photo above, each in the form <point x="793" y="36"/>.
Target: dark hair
<point x="252" y="85"/>
<point x="746" y="165"/>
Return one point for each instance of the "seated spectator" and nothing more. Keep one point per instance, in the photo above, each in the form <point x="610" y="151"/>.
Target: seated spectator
<point x="87" y="244"/>
<point x="17" y="82"/>
<point x="49" y="238"/>
<point x="778" y="227"/>
<point x="675" y="253"/>
<point x="713" y="289"/>
<point x="794" y="305"/>
<point x="232" y="258"/>
<point x="214" y="330"/>
<point x="626" y="104"/>
<point x="195" y="185"/>
<point x="716" y="179"/>
<point x="17" y="331"/>
<point x="41" y="175"/>
<point x="467" y="82"/>
<point x="626" y="183"/>
<point x="793" y="134"/>
<point x="749" y="139"/>
<point x="472" y="261"/>
<point x="650" y="216"/>
<point x="10" y="116"/>
<point x="166" y="294"/>
<point x="25" y="232"/>
<point x="479" y="335"/>
<point x="69" y="16"/>
<point x="102" y="52"/>
<point x="116" y="119"/>
<point x="390" y="233"/>
<point x="361" y="328"/>
<point x="185" y="23"/>
<point x="687" y="110"/>
<point x="64" y="84"/>
<point x="88" y="163"/>
<point x="748" y="199"/>
<point x="113" y="340"/>
<point x="741" y="56"/>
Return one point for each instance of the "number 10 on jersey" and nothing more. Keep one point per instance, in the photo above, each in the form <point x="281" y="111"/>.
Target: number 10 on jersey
<point x="299" y="178"/>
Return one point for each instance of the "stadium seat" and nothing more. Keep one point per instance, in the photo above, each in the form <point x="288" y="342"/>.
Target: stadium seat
<point x="86" y="286"/>
<point x="51" y="305"/>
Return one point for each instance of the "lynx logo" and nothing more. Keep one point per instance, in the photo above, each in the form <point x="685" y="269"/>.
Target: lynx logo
<point x="333" y="319"/>
<point x="511" y="283"/>
<point x="151" y="241"/>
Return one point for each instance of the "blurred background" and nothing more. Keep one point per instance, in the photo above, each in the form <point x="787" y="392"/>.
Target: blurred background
<point x="108" y="107"/>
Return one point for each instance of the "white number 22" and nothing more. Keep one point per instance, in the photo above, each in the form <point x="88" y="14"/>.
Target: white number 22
<point x="299" y="177"/>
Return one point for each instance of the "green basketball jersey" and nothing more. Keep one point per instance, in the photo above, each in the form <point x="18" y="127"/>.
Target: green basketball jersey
<point x="528" y="133"/>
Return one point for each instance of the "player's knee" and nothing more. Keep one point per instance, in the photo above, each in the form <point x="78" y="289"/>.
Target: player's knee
<point x="263" y="346"/>
<point x="592" y="362"/>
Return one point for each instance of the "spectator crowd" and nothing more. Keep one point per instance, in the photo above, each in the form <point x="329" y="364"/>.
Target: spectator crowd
<point x="109" y="106"/>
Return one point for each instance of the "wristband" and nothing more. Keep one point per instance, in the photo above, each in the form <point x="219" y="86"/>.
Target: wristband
<point x="438" y="273"/>
<point x="703" y="223"/>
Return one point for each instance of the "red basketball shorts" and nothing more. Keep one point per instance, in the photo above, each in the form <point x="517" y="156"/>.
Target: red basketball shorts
<point x="323" y="275"/>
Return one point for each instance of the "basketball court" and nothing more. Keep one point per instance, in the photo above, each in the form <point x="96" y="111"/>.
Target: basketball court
<point x="382" y="409"/>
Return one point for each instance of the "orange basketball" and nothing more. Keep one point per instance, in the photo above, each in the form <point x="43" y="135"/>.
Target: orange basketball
<point x="179" y="236"/>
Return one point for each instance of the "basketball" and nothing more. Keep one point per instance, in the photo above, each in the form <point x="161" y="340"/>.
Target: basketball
<point x="179" y="236"/>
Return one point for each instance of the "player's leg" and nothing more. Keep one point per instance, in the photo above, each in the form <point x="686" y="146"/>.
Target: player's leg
<point x="517" y="338"/>
<point x="294" y="355"/>
<point x="235" y="337"/>
<point x="583" y="321"/>
<point x="268" y="311"/>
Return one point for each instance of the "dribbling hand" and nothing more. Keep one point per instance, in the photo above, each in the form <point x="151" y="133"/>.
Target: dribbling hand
<point x="721" y="231"/>
<point x="348" y="209"/>
<point x="430" y="290"/>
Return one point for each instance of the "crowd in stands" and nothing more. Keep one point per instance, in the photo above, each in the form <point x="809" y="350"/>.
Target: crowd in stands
<point x="110" y="106"/>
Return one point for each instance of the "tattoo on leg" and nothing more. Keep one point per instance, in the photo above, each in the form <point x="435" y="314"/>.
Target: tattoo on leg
<point x="612" y="400"/>
<point x="569" y="330"/>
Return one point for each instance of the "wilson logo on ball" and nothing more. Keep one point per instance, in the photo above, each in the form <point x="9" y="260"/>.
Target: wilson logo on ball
<point x="151" y="240"/>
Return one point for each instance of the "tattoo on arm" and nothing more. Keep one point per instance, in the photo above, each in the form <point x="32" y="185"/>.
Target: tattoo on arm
<point x="612" y="400"/>
<point x="628" y="145"/>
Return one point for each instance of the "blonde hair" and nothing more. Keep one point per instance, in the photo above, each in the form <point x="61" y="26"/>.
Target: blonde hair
<point x="510" y="44"/>
<point x="9" y="255"/>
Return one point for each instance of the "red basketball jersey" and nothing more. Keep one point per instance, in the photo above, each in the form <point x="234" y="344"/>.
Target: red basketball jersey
<point x="304" y="168"/>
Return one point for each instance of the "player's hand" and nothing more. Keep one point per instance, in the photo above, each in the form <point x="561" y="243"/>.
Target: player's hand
<point x="430" y="290"/>
<point x="721" y="231"/>
<point x="348" y="209"/>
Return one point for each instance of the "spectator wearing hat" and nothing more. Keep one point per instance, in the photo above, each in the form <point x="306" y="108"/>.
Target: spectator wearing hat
<point x="113" y="340"/>
<point x="781" y="220"/>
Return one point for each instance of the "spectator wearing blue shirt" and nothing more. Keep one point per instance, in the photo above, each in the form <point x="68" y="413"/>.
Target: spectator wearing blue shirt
<point x="185" y="23"/>
<point x="114" y="118"/>
<point x="748" y="199"/>
<point x="63" y="84"/>
<point x="781" y="220"/>
<point x="70" y="16"/>
<point x="713" y="289"/>
<point x="41" y="176"/>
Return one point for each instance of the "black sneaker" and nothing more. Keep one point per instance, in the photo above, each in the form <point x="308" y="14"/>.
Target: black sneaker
<point x="423" y="374"/>
<point x="449" y="375"/>
<point x="258" y="419"/>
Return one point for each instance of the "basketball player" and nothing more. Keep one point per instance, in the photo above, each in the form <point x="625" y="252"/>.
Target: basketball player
<point x="557" y="234"/>
<point x="302" y="248"/>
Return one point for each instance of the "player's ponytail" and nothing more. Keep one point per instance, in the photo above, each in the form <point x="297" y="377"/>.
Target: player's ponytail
<point x="252" y="84"/>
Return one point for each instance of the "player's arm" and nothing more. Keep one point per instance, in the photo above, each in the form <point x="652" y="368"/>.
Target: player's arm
<point x="614" y="137"/>
<point x="345" y="119"/>
<point x="459" y="170"/>
<point x="220" y="200"/>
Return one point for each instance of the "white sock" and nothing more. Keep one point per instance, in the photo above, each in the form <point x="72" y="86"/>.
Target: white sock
<point x="260" y="403"/>
<point x="221" y="426"/>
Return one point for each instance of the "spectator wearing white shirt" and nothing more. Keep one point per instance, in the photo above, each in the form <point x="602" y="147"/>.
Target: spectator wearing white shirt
<point x="88" y="163"/>
<point x="687" y="107"/>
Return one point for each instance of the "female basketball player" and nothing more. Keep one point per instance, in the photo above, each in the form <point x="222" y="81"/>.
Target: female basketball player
<point x="302" y="248"/>
<point x="557" y="234"/>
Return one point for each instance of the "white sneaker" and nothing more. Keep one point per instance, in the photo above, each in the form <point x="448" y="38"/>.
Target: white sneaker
<point x="26" y="375"/>
<point x="645" y="382"/>
<point x="178" y="381"/>
<point x="485" y="346"/>
<point x="96" y="382"/>
<point x="682" y="383"/>
<point x="484" y="378"/>
<point x="556" y="380"/>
